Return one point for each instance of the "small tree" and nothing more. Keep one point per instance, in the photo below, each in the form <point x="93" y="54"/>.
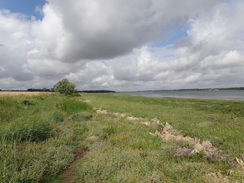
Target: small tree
<point x="64" y="87"/>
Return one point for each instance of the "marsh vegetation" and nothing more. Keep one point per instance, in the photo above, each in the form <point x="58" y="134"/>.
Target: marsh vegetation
<point x="56" y="138"/>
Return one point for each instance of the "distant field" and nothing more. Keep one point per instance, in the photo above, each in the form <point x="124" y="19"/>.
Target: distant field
<point x="14" y="93"/>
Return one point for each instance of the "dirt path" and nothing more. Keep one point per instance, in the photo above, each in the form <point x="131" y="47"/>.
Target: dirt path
<point x="68" y="176"/>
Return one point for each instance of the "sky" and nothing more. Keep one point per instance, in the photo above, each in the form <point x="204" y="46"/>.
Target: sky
<point x="127" y="45"/>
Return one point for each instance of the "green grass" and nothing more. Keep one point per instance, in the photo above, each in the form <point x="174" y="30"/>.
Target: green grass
<point x="38" y="136"/>
<point x="220" y="121"/>
<point x="72" y="107"/>
<point x="126" y="152"/>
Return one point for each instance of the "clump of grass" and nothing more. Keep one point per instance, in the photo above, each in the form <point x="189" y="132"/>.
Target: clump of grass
<point x="81" y="116"/>
<point x="33" y="131"/>
<point x="107" y="132"/>
<point x="6" y="115"/>
<point x="56" y="117"/>
<point x="72" y="106"/>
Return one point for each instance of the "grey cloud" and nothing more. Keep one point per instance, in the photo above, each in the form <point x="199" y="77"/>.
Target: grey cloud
<point x="107" y="29"/>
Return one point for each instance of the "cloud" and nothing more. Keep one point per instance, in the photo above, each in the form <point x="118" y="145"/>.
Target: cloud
<point x="111" y="45"/>
<point x="210" y="56"/>
<point x="107" y="29"/>
<point x="94" y="75"/>
<point x="15" y="42"/>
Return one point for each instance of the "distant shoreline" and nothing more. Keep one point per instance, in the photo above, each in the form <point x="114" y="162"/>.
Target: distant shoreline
<point x="237" y="95"/>
<point x="113" y="91"/>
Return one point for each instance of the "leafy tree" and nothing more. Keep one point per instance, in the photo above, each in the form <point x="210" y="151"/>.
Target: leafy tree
<point x="64" y="87"/>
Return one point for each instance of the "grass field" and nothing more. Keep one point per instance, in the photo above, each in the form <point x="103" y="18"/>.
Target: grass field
<point x="55" y="138"/>
<point x="36" y="137"/>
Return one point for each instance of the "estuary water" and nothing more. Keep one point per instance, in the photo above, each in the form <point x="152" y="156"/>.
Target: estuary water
<point x="201" y="94"/>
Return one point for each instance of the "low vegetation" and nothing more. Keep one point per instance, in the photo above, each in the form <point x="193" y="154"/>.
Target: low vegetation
<point x="36" y="137"/>
<point x="58" y="138"/>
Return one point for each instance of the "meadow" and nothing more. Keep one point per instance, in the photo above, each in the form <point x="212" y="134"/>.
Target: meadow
<point x="112" y="138"/>
<point x="36" y="136"/>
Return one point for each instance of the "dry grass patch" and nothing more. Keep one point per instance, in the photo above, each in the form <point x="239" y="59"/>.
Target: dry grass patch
<point x="14" y="93"/>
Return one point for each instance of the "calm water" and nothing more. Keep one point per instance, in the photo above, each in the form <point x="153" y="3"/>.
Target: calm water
<point x="203" y="94"/>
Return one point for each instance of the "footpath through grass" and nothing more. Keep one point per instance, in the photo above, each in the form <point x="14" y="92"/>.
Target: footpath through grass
<point x="62" y="139"/>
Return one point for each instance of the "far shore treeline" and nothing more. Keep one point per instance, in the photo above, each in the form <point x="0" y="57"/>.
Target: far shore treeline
<point x="52" y="90"/>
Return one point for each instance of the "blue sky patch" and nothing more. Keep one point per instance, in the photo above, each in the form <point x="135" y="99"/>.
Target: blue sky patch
<point x="27" y="7"/>
<point x="176" y="35"/>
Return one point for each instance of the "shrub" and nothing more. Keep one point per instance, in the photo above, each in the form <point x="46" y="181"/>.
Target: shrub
<point x="64" y="87"/>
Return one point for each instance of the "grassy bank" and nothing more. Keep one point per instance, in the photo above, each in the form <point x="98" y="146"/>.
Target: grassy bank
<point x="55" y="138"/>
<point x="36" y="137"/>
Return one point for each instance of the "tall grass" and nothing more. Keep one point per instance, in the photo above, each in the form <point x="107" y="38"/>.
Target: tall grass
<point x="36" y="144"/>
<point x="71" y="106"/>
